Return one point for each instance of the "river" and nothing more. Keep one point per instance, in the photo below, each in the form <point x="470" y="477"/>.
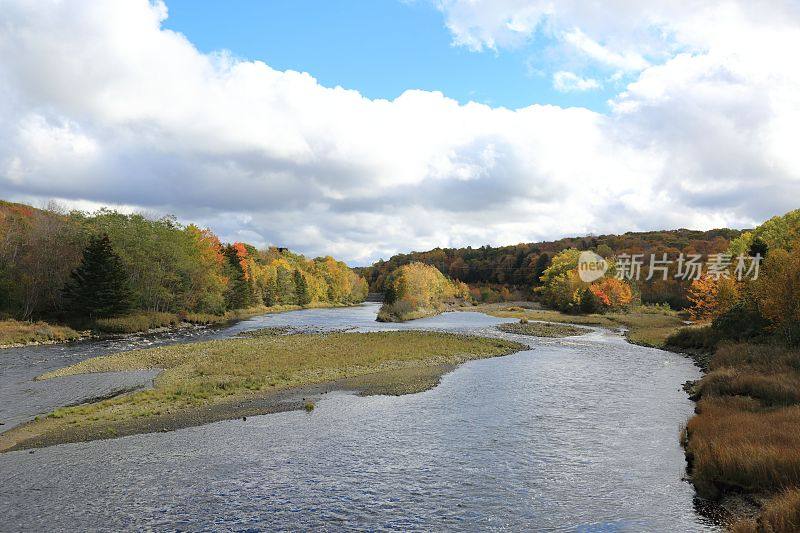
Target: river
<point x="575" y="434"/>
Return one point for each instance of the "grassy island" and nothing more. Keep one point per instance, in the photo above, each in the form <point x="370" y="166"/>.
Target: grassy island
<point x="225" y="379"/>
<point x="542" y="329"/>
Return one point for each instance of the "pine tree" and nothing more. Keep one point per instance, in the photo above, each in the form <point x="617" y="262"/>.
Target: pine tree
<point x="271" y="293"/>
<point x="301" y="288"/>
<point x="99" y="287"/>
<point x="239" y="293"/>
<point x="287" y="293"/>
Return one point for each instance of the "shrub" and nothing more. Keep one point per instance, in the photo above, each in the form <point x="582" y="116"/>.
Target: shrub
<point x="694" y="337"/>
<point x="740" y="322"/>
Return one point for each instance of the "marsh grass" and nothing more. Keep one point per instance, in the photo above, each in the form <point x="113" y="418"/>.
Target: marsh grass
<point x="207" y="372"/>
<point x="13" y="332"/>
<point x="781" y="514"/>
<point x="746" y="434"/>
<point x="750" y="450"/>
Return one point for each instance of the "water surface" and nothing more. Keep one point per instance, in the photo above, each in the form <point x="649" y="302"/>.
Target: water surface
<point x="576" y="434"/>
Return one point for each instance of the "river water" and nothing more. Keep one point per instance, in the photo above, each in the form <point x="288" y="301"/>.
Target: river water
<point x="575" y="434"/>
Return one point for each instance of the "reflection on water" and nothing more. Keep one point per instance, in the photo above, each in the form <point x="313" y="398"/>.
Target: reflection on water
<point x="579" y="434"/>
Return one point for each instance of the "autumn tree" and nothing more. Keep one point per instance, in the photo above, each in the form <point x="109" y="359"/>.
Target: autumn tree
<point x="777" y="292"/>
<point x="710" y="297"/>
<point x="610" y="293"/>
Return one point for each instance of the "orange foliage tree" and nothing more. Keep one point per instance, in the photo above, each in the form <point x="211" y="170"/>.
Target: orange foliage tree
<point x="711" y="297"/>
<point x="611" y="293"/>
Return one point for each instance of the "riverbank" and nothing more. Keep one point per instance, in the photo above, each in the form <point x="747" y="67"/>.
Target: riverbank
<point x="742" y="445"/>
<point x="17" y="334"/>
<point x="224" y="379"/>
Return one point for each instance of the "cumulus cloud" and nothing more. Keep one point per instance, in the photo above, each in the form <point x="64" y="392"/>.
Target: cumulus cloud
<point x="99" y="104"/>
<point x="566" y="81"/>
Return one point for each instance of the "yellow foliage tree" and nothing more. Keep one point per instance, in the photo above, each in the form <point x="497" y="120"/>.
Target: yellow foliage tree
<point x="711" y="297"/>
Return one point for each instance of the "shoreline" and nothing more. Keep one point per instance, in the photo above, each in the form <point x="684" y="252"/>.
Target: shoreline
<point x="183" y="325"/>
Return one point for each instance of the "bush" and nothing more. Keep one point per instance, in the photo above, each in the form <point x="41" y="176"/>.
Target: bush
<point x="694" y="337"/>
<point x="741" y="322"/>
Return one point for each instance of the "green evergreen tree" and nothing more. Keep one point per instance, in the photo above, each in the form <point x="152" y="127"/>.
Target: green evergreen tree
<point x="301" y="288"/>
<point x="100" y="286"/>
<point x="542" y="262"/>
<point x="239" y="294"/>
<point x="286" y="289"/>
<point x="271" y="293"/>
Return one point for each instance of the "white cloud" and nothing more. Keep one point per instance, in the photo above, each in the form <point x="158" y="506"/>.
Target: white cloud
<point x="565" y="81"/>
<point x="100" y="104"/>
<point x="622" y="61"/>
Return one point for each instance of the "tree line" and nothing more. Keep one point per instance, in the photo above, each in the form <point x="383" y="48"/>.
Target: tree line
<point x="519" y="268"/>
<point x="59" y="264"/>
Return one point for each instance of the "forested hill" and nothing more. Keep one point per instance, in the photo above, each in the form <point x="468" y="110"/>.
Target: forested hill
<point x="521" y="265"/>
<point x="59" y="264"/>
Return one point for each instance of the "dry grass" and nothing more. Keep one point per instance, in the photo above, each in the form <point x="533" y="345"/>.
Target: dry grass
<point x="774" y="389"/>
<point x="781" y="514"/>
<point x="14" y="332"/>
<point x="136" y="322"/>
<point x="764" y="358"/>
<point x="743" y="449"/>
<point x="204" y="373"/>
<point x="746" y="435"/>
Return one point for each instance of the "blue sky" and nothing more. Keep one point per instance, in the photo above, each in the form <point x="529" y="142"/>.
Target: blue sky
<point x="380" y="48"/>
